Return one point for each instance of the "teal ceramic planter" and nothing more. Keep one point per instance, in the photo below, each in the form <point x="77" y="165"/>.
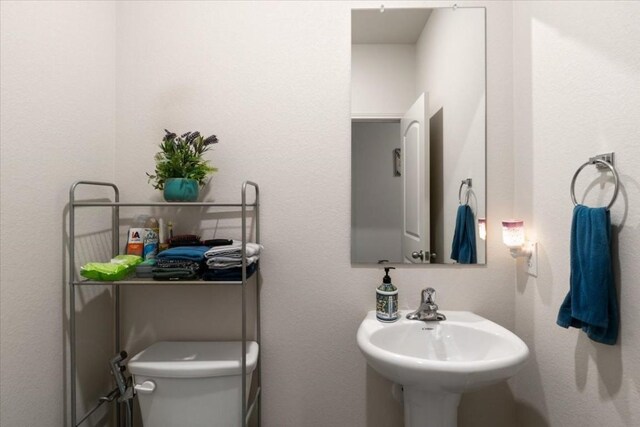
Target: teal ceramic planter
<point x="181" y="190"/>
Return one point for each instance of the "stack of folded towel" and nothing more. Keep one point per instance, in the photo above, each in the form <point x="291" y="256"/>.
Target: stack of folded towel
<point x="180" y="263"/>
<point x="224" y="263"/>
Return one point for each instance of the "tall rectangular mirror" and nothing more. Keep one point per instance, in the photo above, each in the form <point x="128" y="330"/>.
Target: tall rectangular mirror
<point x="418" y="135"/>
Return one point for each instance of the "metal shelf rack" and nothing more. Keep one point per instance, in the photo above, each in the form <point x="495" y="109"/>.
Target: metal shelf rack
<point x="248" y="406"/>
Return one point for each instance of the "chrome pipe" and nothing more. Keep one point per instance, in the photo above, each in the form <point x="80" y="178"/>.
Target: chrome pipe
<point x="72" y="294"/>
<point x="252" y="407"/>
<point x="244" y="308"/>
<point x="108" y="398"/>
<point x="244" y="292"/>
<point x="72" y="310"/>
<point x="159" y="204"/>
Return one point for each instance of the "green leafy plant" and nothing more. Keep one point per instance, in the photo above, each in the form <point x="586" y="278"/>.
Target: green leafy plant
<point x="182" y="157"/>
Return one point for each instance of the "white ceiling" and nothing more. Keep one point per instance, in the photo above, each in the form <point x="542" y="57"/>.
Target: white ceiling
<point x="393" y="26"/>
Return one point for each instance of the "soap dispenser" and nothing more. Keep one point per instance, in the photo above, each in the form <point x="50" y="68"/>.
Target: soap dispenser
<point x="387" y="299"/>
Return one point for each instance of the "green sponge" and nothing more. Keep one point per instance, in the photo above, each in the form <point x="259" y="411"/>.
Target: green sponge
<point x="117" y="269"/>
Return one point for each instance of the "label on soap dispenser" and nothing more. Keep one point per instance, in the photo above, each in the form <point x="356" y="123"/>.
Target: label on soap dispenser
<point x="387" y="306"/>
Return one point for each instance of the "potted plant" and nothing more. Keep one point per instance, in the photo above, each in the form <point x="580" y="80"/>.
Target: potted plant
<point x="180" y="166"/>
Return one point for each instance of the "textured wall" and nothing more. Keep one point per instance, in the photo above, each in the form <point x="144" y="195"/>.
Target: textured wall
<point x="577" y="94"/>
<point x="58" y="125"/>
<point x="272" y="81"/>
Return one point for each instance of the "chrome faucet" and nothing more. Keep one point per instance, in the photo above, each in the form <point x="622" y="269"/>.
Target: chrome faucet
<point x="428" y="310"/>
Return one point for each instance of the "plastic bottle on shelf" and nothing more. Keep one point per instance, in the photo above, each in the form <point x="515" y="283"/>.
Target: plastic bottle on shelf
<point x="152" y="228"/>
<point x="162" y="236"/>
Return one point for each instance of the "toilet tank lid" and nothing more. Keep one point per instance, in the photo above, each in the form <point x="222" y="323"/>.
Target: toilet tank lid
<point x="193" y="359"/>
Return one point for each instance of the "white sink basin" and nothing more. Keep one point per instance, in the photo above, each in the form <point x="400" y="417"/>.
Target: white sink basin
<point x="437" y="361"/>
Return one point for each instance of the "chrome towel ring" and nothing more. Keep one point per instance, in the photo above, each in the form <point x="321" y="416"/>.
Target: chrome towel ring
<point x="602" y="161"/>
<point x="464" y="182"/>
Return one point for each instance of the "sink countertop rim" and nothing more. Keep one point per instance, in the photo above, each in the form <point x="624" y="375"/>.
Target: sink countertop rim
<point x="371" y="325"/>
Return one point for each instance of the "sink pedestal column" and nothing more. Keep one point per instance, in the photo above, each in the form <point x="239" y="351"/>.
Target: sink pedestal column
<point x="429" y="408"/>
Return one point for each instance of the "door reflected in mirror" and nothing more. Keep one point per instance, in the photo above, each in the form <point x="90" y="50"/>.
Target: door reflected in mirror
<point x="418" y="135"/>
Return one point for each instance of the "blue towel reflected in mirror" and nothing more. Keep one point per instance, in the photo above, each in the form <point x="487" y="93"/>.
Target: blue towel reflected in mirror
<point x="463" y="248"/>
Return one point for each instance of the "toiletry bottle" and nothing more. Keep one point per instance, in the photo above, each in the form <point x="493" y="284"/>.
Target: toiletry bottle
<point x="135" y="236"/>
<point x="387" y="299"/>
<point x="162" y="236"/>
<point x="170" y="228"/>
<point x="151" y="238"/>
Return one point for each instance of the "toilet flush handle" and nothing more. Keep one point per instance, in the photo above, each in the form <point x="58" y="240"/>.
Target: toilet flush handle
<point x="146" y="387"/>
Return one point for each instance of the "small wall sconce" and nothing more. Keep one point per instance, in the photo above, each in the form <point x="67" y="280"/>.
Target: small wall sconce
<point x="513" y="238"/>
<point x="482" y="228"/>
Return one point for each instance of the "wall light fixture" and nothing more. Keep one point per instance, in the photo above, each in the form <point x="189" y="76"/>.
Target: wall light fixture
<point x="514" y="238"/>
<point x="482" y="228"/>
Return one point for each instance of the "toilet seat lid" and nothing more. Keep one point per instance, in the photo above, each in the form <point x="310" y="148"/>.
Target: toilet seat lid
<point x="193" y="359"/>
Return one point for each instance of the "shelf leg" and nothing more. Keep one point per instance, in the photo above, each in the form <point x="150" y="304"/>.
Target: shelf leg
<point x="72" y="352"/>
<point x="118" y="348"/>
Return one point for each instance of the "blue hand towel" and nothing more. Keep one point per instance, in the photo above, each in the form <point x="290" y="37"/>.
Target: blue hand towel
<point x="591" y="303"/>
<point x="463" y="248"/>
<point x="186" y="253"/>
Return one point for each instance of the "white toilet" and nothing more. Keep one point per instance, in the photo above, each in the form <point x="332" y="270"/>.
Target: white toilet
<point x="187" y="383"/>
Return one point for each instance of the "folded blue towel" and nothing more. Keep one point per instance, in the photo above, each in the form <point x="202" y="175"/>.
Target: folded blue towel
<point x="591" y="303"/>
<point x="188" y="253"/>
<point x="229" y="274"/>
<point x="463" y="248"/>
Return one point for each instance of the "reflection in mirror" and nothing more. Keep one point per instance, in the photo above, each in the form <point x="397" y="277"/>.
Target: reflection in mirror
<point x="418" y="135"/>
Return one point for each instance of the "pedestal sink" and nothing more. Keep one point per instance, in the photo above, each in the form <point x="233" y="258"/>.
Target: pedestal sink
<point x="437" y="361"/>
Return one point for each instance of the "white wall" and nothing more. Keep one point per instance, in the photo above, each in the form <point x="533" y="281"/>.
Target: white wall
<point x="577" y="94"/>
<point x="451" y="68"/>
<point x="272" y="81"/>
<point x="382" y="78"/>
<point x="375" y="189"/>
<point x="58" y="125"/>
<point x="281" y="109"/>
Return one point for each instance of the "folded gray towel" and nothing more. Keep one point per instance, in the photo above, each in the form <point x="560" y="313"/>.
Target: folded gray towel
<point x="226" y="262"/>
<point x="234" y="250"/>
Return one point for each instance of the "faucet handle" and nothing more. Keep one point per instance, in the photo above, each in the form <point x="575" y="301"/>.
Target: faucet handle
<point x="428" y="296"/>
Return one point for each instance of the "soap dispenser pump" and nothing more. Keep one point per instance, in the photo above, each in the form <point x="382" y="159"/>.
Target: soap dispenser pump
<point x="387" y="299"/>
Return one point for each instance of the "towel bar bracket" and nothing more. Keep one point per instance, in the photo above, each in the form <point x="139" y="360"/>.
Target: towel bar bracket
<point x="607" y="157"/>
<point x="468" y="182"/>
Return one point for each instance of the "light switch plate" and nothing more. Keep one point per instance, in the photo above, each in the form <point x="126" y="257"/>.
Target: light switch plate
<point x="532" y="261"/>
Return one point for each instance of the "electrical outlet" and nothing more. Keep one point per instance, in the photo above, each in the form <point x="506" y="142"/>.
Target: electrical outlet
<point x="532" y="261"/>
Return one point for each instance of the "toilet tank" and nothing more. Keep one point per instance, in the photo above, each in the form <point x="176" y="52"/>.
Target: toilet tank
<point x="192" y="383"/>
